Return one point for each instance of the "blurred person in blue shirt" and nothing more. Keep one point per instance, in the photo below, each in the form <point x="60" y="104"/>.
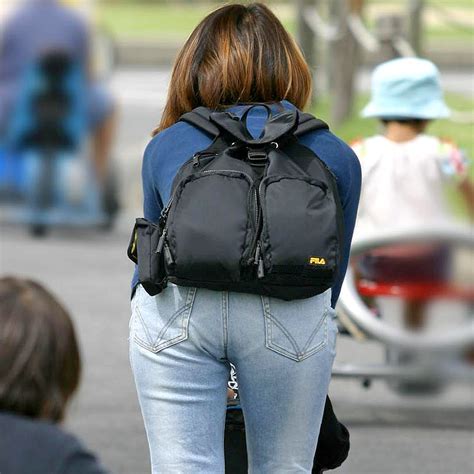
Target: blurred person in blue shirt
<point x="33" y="30"/>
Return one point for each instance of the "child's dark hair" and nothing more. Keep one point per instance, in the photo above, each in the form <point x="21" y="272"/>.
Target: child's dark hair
<point x="415" y="122"/>
<point x="40" y="364"/>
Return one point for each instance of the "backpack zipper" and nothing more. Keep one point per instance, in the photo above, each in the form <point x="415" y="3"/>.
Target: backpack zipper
<point x="258" y="260"/>
<point x="228" y="171"/>
<point x="256" y="246"/>
<point x="162" y="243"/>
<point x="164" y="247"/>
<point x="196" y="159"/>
<point x="255" y="251"/>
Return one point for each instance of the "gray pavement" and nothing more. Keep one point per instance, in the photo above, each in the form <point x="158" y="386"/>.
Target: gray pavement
<point x="90" y="272"/>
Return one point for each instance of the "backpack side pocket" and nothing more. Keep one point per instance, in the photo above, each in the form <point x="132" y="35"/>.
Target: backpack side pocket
<point x="142" y="251"/>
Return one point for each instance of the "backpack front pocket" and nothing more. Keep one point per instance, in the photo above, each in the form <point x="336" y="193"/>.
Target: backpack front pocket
<point x="299" y="237"/>
<point x="207" y="231"/>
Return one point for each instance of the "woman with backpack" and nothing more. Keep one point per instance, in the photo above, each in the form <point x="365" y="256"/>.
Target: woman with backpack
<point x="237" y="200"/>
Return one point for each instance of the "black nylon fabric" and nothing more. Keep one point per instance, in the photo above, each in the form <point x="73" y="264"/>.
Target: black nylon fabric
<point x="306" y="210"/>
<point x="252" y="215"/>
<point x="142" y="251"/>
<point x="275" y="127"/>
<point x="207" y="242"/>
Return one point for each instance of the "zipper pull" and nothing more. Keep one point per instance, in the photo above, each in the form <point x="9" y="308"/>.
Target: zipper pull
<point x="261" y="269"/>
<point x="259" y="261"/>
<point x="161" y="242"/>
<point x="164" y="213"/>
<point x="166" y="210"/>
<point x="257" y="254"/>
<point x="168" y="256"/>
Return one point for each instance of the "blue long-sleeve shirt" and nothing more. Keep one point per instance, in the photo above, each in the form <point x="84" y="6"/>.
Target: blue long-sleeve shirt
<point x="168" y="151"/>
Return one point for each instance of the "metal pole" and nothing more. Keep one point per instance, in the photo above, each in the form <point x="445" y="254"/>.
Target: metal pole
<point x="387" y="29"/>
<point x="306" y="38"/>
<point x="344" y="58"/>
<point x="305" y="35"/>
<point x="415" y="24"/>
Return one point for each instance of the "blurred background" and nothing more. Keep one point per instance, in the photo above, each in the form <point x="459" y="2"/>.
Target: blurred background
<point x="68" y="226"/>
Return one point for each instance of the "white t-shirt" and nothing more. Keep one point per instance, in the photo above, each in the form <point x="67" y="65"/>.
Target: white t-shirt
<point x="402" y="183"/>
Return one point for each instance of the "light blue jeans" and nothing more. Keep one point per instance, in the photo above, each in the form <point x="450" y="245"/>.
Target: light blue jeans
<point x="181" y="344"/>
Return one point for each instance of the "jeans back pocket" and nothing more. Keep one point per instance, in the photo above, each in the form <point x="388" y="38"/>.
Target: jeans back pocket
<point x="297" y="329"/>
<point x="162" y="321"/>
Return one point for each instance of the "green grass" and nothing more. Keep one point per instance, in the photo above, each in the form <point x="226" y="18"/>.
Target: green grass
<point x="177" y="21"/>
<point x="461" y="134"/>
<point x="151" y="21"/>
<point x="442" y="3"/>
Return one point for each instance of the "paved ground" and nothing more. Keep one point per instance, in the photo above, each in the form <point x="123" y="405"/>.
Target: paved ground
<point x="89" y="270"/>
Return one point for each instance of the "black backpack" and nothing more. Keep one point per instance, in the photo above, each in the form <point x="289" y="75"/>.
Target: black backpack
<point x="256" y="215"/>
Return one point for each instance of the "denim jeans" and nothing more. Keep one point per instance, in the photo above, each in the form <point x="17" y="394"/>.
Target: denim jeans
<point x="181" y="344"/>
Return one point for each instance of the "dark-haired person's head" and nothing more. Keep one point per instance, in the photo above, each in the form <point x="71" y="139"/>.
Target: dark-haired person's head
<point x="40" y="363"/>
<point x="237" y="54"/>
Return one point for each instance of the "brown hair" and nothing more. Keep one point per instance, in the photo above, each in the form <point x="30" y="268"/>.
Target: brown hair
<point x="40" y="364"/>
<point x="237" y="54"/>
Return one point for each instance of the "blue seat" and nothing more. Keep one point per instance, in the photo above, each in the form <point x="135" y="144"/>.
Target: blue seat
<point x="45" y="135"/>
<point x="50" y="112"/>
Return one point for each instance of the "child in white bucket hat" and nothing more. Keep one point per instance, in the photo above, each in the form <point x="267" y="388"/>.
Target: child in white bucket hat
<point x="406" y="88"/>
<point x="404" y="172"/>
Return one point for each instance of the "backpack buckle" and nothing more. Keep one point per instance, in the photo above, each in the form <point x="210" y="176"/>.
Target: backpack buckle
<point x="257" y="157"/>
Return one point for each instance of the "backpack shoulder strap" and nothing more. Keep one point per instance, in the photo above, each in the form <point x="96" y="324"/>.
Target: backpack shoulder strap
<point x="200" y="118"/>
<point x="308" y="123"/>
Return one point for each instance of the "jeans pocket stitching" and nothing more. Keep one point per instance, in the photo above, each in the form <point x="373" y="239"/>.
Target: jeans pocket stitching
<point x="185" y="309"/>
<point x="316" y="330"/>
<point x="271" y="319"/>
<point x="173" y="318"/>
<point x="322" y="344"/>
<point x="154" y="347"/>
<point x="298" y="355"/>
<point x="186" y="312"/>
<point x="145" y="328"/>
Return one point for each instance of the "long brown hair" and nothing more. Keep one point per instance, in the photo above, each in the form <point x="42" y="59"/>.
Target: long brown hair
<point x="40" y="364"/>
<point x="237" y="54"/>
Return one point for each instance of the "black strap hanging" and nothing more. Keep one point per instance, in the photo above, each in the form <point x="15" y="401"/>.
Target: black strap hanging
<point x="307" y="123"/>
<point x="200" y="118"/>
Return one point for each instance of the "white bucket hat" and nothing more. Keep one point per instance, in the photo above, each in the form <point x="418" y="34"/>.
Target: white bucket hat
<point x="406" y="88"/>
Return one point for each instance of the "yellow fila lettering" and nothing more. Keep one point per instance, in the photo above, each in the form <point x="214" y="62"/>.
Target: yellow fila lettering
<point x="317" y="261"/>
